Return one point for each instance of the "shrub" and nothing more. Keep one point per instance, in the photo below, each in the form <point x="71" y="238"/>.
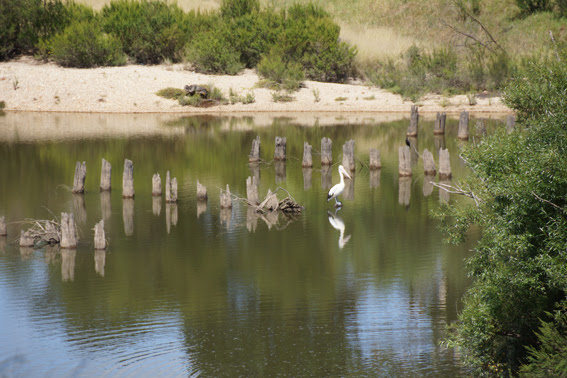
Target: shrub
<point x="281" y="74"/>
<point x="238" y="8"/>
<point x="211" y="52"/>
<point x="84" y="44"/>
<point x="531" y="6"/>
<point x="171" y="93"/>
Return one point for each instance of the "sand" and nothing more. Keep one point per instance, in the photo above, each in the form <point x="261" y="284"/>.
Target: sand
<point x="31" y="86"/>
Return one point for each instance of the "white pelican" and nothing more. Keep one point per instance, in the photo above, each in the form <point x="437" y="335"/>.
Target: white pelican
<point x="338" y="189"/>
<point x="338" y="224"/>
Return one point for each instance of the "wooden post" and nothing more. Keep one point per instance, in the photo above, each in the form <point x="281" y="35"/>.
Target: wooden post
<point x="510" y="123"/>
<point x="26" y="239"/>
<point x="201" y="191"/>
<point x="105" y="176"/>
<point x="100" y="261"/>
<point x="156" y="205"/>
<point x="225" y="200"/>
<point x="3" y="231"/>
<point x="307" y="156"/>
<point x="279" y="153"/>
<point x="128" y="179"/>
<point x="375" y="178"/>
<point x="463" y="126"/>
<point x="99" y="239"/>
<point x="252" y="190"/>
<point x="156" y="185"/>
<point x="307" y="178"/>
<point x="170" y="189"/>
<point x="326" y="151"/>
<point x="68" y="231"/>
<point x="414" y="120"/>
<point x="375" y="162"/>
<point x="80" y="175"/>
<point x="105" y="206"/>
<point x="404" y="161"/>
<point x="128" y="216"/>
<point x="348" y="156"/>
<point x="404" y="191"/>
<point x="174" y="189"/>
<point x="444" y="165"/>
<point x="255" y="152"/>
<point x="326" y="177"/>
<point x="428" y="163"/>
<point x="439" y="128"/>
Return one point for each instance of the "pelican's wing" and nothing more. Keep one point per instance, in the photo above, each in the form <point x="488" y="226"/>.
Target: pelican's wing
<point x="332" y="192"/>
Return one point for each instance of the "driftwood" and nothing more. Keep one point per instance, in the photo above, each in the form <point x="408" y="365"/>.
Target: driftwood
<point x="280" y="150"/>
<point x="414" y="120"/>
<point x="194" y="89"/>
<point x="201" y="192"/>
<point x="428" y="163"/>
<point x="326" y="151"/>
<point x="463" y="132"/>
<point x="348" y="156"/>
<point x="3" y="231"/>
<point x="404" y="162"/>
<point x="128" y="179"/>
<point x="79" y="180"/>
<point x="375" y="162"/>
<point x="99" y="239"/>
<point x="307" y="156"/>
<point x="225" y="199"/>
<point x="105" y="176"/>
<point x="156" y="185"/>
<point x="26" y="239"/>
<point x="444" y="165"/>
<point x="68" y="231"/>
<point x="255" y="151"/>
<point x="440" y="120"/>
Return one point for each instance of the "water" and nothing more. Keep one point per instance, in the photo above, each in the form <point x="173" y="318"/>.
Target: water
<point x="188" y="289"/>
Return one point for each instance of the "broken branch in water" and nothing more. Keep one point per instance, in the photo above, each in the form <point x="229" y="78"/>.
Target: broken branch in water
<point x="457" y="190"/>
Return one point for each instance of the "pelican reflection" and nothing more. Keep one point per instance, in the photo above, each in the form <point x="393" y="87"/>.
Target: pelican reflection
<point x="338" y="224"/>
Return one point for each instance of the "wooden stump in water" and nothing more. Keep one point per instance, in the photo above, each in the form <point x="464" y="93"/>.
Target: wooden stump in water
<point x="510" y="123"/>
<point x="26" y="239"/>
<point x="280" y="171"/>
<point x="252" y="190"/>
<point x="279" y="153"/>
<point x="404" y="161"/>
<point x="128" y="179"/>
<point x="428" y="163"/>
<point x="201" y="192"/>
<point x="225" y="199"/>
<point x="375" y="162"/>
<point x="99" y="239"/>
<point x="307" y="156"/>
<point x="348" y="156"/>
<point x="105" y="176"/>
<point x="68" y="231"/>
<point x="463" y="132"/>
<point x="156" y="185"/>
<point x="271" y="202"/>
<point x="444" y="165"/>
<point x="128" y="216"/>
<point x="326" y="177"/>
<point x="326" y="151"/>
<point x="255" y="152"/>
<point x="307" y="178"/>
<point x="3" y="231"/>
<point x="439" y="128"/>
<point x="404" y="191"/>
<point x="100" y="261"/>
<point x="80" y="175"/>
<point x="414" y="120"/>
<point x="170" y="189"/>
<point x="105" y="205"/>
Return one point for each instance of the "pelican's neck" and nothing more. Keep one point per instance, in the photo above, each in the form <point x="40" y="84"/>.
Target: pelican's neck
<point x="342" y="177"/>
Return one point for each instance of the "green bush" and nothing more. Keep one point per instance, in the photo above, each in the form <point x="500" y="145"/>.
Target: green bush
<point x="171" y="93"/>
<point x="211" y="52"/>
<point x="531" y="6"/>
<point x="150" y="30"/>
<point x="282" y="74"/>
<point x="84" y="44"/>
<point x="238" y="8"/>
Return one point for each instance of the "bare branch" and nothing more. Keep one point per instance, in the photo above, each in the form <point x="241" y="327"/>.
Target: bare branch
<point x="457" y="190"/>
<point x="549" y="202"/>
<point x="481" y="25"/>
<point x="469" y="36"/>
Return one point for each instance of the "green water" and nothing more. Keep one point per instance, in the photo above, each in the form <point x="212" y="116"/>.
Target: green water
<point x="189" y="289"/>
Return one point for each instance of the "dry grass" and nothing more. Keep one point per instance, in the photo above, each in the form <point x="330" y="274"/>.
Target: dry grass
<point x="375" y="42"/>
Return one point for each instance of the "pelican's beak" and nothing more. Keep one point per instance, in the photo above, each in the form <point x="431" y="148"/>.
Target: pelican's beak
<point x="347" y="175"/>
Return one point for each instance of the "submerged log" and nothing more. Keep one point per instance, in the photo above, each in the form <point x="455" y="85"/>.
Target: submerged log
<point x="156" y="185"/>
<point x="252" y="190"/>
<point x="255" y="151"/>
<point x="280" y="150"/>
<point x="3" y="231"/>
<point x="348" y="156"/>
<point x="428" y="163"/>
<point x="404" y="161"/>
<point x="444" y="165"/>
<point x="375" y="162"/>
<point x="307" y="156"/>
<point x="440" y="120"/>
<point x="463" y="132"/>
<point x="128" y="179"/>
<point x="201" y="192"/>
<point x="105" y="176"/>
<point x="414" y="120"/>
<point x="68" y="231"/>
<point x="225" y="199"/>
<point x="326" y="151"/>
<point x="79" y="180"/>
<point x="99" y="239"/>
<point x="271" y="202"/>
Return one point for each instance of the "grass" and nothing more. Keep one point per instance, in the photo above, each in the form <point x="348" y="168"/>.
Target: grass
<point x="186" y="5"/>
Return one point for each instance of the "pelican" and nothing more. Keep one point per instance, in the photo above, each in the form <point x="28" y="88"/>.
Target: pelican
<point x="338" y="224"/>
<point x="338" y="189"/>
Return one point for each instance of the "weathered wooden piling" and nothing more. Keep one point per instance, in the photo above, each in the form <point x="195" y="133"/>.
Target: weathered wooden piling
<point x="326" y="177"/>
<point x="280" y="171"/>
<point x="156" y="205"/>
<point x="404" y="161"/>
<point x="3" y="231"/>
<point x="105" y="205"/>
<point x="428" y="163"/>
<point x="375" y="178"/>
<point x="26" y="239"/>
<point x="79" y="180"/>
<point x="427" y="186"/>
<point x="252" y="190"/>
<point x="171" y="216"/>
<point x="201" y="192"/>
<point x="68" y="264"/>
<point x="349" y="161"/>
<point x="100" y="262"/>
<point x="170" y="189"/>
<point x="128" y="179"/>
<point x="128" y="216"/>
<point x="439" y="142"/>
<point x="68" y="231"/>
<point x="225" y="199"/>
<point x="79" y="208"/>
<point x="307" y="156"/>
<point x="156" y="185"/>
<point x="440" y="120"/>
<point x="463" y="132"/>
<point x="414" y="120"/>
<point x="375" y="162"/>
<point x="326" y="151"/>
<point x="404" y="191"/>
<point x="510" y="123"/>
<point x="279" y="152"/>
<point x="444" y="165"/>
<point x="255" y="151"/>
<point x="99" y="238"/>
<point x="105" y="176"/>
<point x="307" y="178"/>
<point x="201" y="207"/>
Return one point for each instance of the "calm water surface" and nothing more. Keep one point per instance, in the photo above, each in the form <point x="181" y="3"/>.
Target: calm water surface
<point x="188" y="289"/>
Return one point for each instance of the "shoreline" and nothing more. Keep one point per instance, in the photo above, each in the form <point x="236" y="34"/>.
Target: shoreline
<point x="31" y="86"/>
